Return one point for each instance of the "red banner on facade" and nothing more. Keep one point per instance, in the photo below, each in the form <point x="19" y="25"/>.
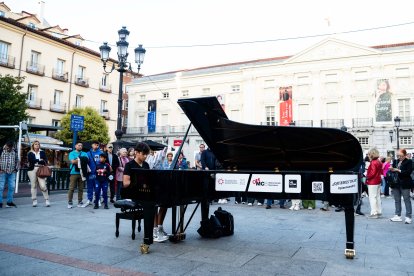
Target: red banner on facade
<point x="285" y="106"/>
<point x="177" y="143"/>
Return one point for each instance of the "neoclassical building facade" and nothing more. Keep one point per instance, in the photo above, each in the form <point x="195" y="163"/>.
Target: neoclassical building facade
<point x="334" y="83"/>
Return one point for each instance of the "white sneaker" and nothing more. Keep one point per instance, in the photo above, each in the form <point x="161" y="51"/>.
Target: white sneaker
<point x="70" y="206"/>
<point x="396" y="218"/>
<point x="160" y="236"/>
<point x="296" y="208"/>
<point x="259" y="204"/>
<point x="99" y="203"/>
<point x="47" y="203"/>
<point x="310" y="208"/>
<point x="408" y="220"/>
<point x="292" y="207"/>
<point x="224" y="201"/>
<point x="249" y="204"/>
<point x="86" y="204"/>
<point x="34" y="203"/>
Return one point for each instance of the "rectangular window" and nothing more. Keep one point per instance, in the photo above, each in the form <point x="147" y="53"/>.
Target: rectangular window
<point x="303" y="80"/>
<point x="235" y="88"/>
<point x="404" y="109"/>
<point x="304" y="112"/>
<point x="141" y="121"/>
<point x="332" y="111"/>
<point x="362" y="109"/>
<point x="81" y="72"/>
<point x="270" y="115"/>
<point x="360" y="75"/>
<point x="269" y="84"/>
<point x="34" y="60"/>
<point x="60" y="67"/>
<point x="331" y="77"/>
<point x="402" y="72"/>
<point x="79" y="101"/>
<point x="142" y="97"/>
<point x="185" y="93"/>
<point x="55" y="123"/>
<point x="103" y="107"/>
<point x="57" y="96"/>
<point x="31" y="93"/>
<point x="363" y="140"/>
<point x="4" y="52"/>
<point x="165" y="95"/>
<point x="406" y="140"/>
<point x="103" y="80"/>
<point x="164" y="119"/>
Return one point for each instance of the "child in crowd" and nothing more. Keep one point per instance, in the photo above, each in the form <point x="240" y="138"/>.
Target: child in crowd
<point x="103" y="170"/>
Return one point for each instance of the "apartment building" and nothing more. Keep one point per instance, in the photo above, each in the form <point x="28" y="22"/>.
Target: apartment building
<point x="59" y="72"/>
<point x="334" y="83"/>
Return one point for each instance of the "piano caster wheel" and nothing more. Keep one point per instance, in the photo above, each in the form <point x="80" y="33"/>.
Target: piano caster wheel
<point x="117" y="234"/>
<point x="182" y="236"/>
<point x="349" y="253"/>
<point x="144" y="248"/>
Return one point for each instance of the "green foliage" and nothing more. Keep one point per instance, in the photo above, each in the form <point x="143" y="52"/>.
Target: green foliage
<point x="95" y="127"/>
<point x="13" y="106"/>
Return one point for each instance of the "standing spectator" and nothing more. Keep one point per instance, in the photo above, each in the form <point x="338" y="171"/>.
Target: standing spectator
<point x="75" y="178"/>
<point x="209" y="162"/>
<point x="197" y="158"/>
<point x="37" y="158"/>
<point x="9" y="164"/>
<point x="404" y="169"/>
<point x="166" y="165"/>
<point x="123" y="160"/>
<point x="103" y="170"/>
<point x="385" y="167"/>
<point x="93" y="160"/>
<point x="114" y="163"/>
<point x="131" y="154"/>
<point x="373" y="180"/>
<point x="182" y="162"/>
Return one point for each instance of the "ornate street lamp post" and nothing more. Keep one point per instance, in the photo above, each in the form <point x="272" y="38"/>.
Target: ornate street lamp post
<point x="391" y="134"/>
<point x="397" y="121"/>
<point x="122" y="65"/>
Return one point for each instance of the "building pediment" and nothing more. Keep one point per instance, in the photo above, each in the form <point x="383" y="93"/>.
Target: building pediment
<point x="331" y="48"/>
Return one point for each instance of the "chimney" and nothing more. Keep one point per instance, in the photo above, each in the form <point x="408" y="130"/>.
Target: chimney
<point x="42" y="11"/>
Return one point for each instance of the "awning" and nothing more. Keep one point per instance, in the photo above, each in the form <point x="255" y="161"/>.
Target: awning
<point x="33" y="127"/>
<point x="50" y="146"/>
<point x="43" y="139"/>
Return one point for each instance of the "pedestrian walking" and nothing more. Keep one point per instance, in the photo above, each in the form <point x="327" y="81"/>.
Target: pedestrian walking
<point x="37" y="158"/>
<point x="9" y="164"/>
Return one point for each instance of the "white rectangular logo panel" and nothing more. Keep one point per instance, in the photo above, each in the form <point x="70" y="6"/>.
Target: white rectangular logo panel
<point x="317" y="187"/>
<point x="344" y="183"/>
<point x="266" y="183"/>
<point x="293" y="183"/>
<point x="234" y="182"/>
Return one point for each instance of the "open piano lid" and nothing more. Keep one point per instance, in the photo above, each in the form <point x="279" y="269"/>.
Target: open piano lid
<point x="256" y="147"/>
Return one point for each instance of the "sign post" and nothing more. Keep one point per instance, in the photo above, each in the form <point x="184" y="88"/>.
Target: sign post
<point x="76" y="124"/>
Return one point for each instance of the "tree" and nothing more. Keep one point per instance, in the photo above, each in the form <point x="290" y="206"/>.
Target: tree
<point x="13" y="106"/>
<point x="95" y="127"/>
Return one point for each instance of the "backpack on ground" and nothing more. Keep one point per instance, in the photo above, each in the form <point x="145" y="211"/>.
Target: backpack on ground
<point x="226" y="221"/>
<point x="210" y="228"/>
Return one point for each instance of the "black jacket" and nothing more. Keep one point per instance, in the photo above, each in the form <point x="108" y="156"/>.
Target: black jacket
<point x="208" y="159"/>
<point x="32" y="159"/>
<point x="404" y="177"/>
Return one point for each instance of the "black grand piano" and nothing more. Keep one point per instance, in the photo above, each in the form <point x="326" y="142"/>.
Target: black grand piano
<point x="262" y="161"/>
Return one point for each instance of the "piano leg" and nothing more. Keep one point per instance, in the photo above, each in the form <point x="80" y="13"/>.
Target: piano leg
<point x="350" y="226"/>
<point x="149" y="213"/>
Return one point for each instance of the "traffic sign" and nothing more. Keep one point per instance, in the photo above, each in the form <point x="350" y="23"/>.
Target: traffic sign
<point x="76" y="122"/>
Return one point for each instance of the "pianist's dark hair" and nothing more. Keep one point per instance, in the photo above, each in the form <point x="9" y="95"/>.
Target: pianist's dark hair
<point x="142" y="147"/>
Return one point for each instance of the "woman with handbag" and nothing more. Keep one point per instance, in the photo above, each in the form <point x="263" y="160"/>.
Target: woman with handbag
<point x="37" y="158"/>
<point x="403" y="187"/>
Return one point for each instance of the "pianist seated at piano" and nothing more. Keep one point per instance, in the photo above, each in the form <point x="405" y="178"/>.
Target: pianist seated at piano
<point x="141" y="152"/>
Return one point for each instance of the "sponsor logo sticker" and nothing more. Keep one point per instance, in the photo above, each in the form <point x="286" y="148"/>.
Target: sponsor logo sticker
<point x="317" y="187"/>
<point x="236" y="182"/>
<point x="344" y="183"/>
<point x="266" y="183"/>
<point x="293" y="183"/>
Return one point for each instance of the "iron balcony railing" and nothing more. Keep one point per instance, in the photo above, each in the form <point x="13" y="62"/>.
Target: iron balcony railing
<point x="59" y="75"/>
<point x="7" y="61"/>
<point x="304" y="123"/>
<point x="362" y="122"/>
<point x="332" y="123"/>
<point x="35" y="103"/>
<point x="35" y="68"/>
<point x="81" y="81"/>
<point x="58" y="107"/>
<point x="105" y="88"/>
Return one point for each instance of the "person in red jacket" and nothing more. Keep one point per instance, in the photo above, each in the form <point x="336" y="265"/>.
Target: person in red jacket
<point x="373" y="180"/>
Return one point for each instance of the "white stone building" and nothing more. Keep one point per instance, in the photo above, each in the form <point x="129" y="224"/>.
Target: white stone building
<point x="334" y="83"/>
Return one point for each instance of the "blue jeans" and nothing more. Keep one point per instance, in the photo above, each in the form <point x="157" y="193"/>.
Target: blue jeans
<point x="405" y="193"/>
<point x="90" y="182"/>
<point x="383" y="183"/>
<point x="101" y="185"/>
<point x="10" y="179"/>
<point x="270" y="201"/>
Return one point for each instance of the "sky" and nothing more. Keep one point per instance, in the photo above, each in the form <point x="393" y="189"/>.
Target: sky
<point x="222" y="26"/>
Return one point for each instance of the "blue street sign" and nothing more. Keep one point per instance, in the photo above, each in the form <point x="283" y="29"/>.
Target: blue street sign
<point x="76" y="122"/>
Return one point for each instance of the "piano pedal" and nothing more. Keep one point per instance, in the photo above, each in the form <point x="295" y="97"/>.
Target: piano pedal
<point x="144" y="248"/>
<point x="177" y="237"/>
<point x="349" y="253"/>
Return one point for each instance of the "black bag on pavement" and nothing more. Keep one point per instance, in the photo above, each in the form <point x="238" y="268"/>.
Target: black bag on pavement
<point x="210" y="228"/>
<point x="226" y="220"/>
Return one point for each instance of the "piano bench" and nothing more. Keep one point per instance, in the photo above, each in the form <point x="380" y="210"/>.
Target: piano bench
<point x="130" y="210"/>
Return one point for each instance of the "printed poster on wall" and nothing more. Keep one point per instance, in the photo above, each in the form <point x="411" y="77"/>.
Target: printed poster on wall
<point x="152" y="118"/>
<point x="285" y="105"/>
<point x="383" y="107"/>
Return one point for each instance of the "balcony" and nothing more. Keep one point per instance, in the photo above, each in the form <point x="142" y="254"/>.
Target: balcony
<point x="35" y="68"/>
<point x="407" y="121"/>
<point x="178" y="129"/>
<point x="59" y="75"/>
<point x="137" y="130"/>
<point x="34" y="104"/>
<point x="332" y="123"/>
<point x="362" y="122"/>
<point x="58" y="107"/>
<point x="105" y="114"/>
<point x="105" y="88"/>
<point x="304" y="123"/>
<point x="81" y="81"/>
<point x="7" y="61"/>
